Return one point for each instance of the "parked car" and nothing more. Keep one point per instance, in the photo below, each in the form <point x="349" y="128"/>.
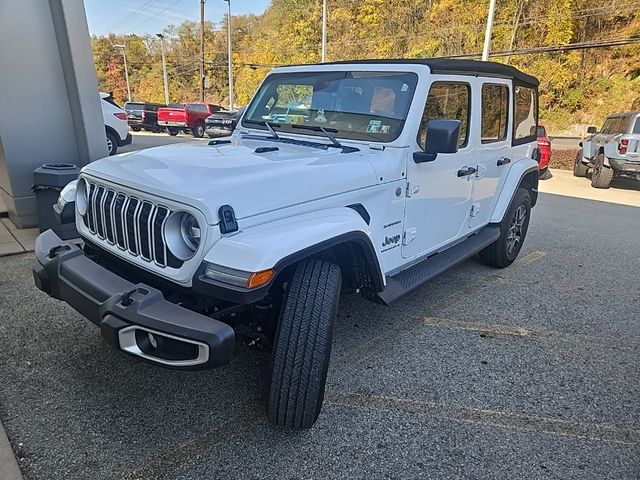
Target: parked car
<point x="544" y="146"/>
<point x="222" y="123"/>
<point x="402" y="170"/>
<point x="143" y="115"/>
<point x="186" y="117"/>
<point x="115" y="123"/>
<point x="613" y="151"/>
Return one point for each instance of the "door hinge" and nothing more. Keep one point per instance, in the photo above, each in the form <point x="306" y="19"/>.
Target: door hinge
<point x="412" y="189"/>
<point x="475" y="208"/>
<point x="409" y="235"/>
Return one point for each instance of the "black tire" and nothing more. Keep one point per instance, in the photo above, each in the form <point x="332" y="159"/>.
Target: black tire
<point x="156" y="128"/>
<point x="198" y="130"/>
<point x="513" y="230"/>
<point x="579" y="168"/>
<point x="135" y="129"/>
<point x="112" y="143"/>
<point x="302" y="345"/>
<point x="602" y="175"/>
<point x="173" y="131"/>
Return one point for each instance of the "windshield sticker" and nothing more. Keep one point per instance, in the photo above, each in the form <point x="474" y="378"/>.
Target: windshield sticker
<point x="385" y="128"/>
<point x="320" y="118"/>
<point x="374" y="126"/>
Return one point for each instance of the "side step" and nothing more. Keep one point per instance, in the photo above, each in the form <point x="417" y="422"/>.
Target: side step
<point x="411" y="278"/>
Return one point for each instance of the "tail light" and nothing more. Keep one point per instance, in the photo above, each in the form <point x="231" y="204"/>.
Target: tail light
<point x="144" y="115"/>
<point x="544" y="143"/>
<point x="623" y="145"/>
<point x="121" y="116"/>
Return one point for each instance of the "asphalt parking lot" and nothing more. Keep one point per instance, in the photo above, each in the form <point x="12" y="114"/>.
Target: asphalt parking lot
<point x="527" y="372"/>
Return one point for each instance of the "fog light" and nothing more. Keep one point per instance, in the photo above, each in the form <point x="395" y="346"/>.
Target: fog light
<point x="152" y="340"/>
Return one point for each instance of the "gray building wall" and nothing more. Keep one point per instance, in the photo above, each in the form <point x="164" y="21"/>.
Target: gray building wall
<point x="49" y="104"/>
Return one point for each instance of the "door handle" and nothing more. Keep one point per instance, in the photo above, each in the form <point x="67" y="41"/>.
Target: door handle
<point x="467" y="171"/>
<point x="504" y="161"/>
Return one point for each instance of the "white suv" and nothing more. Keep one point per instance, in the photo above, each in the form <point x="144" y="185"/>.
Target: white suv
<point x="115" y="123"/>
<point x="384" y="175"/>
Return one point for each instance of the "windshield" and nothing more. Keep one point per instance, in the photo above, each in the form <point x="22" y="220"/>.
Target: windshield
<point x="370" y="106"/>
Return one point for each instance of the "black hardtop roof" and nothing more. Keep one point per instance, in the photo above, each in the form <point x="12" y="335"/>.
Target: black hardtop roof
<point x="456" y="66"/>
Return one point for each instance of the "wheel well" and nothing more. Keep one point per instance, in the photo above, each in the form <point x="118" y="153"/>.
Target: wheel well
<point x="530" y="182"/>
<point x="355" y="257"/>
<point x="112" y="131"/>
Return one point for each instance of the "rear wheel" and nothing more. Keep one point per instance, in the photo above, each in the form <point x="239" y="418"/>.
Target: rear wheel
<point x="173" y="131"/>
<point x="156" y="128"/>
<point x="112" y="143"/>
<point x="135" y="129"/>
<point x="579" y="168"/>
<point x="602" y="175"/>
<point x="513" y="230"/>
<point x="198" y="130"/>
<point x="302" y="346"/>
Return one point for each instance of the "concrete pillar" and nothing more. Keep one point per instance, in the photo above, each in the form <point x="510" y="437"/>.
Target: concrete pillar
<point x="49" y="104"/>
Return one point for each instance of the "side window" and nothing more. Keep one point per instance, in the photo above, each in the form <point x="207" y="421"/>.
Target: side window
<point x="446" y="100"/>
<point x="525" y="112"/>
<point x="636" y="127"/>
<point x="495" y="112"/>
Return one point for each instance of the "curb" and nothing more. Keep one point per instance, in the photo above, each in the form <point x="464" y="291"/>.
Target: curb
<point x="8" y="465"/>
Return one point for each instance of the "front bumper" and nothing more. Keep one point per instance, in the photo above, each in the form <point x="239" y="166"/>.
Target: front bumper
<point x="218" y="130"/>
<point x="130" y="314"/>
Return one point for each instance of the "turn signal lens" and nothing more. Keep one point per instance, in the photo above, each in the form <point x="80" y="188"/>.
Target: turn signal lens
<point x="260" y="278"/>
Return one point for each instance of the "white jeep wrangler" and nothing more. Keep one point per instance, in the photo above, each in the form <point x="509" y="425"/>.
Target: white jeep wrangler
<point x="369" y="177"/>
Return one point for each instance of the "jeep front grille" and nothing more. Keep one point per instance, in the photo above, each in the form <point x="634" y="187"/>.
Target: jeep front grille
<point x="134" y="225"/>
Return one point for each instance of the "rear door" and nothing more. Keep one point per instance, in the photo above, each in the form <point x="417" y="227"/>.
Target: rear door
<point x="494" y="145"/>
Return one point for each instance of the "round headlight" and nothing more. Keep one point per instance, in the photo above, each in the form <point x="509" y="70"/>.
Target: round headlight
<point x="182" y="235"/>
<point x="82" y="196"/>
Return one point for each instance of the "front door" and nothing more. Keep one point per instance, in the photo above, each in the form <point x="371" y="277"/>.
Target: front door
<point x="439" y="193"/>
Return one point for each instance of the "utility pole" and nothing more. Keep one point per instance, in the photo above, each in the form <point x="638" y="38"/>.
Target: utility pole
<point x="164" y="69"/>
<point x="324" y="31"/>
<point x="231" y="96"/>
<point x="487" y="34"/>
<point x="126" y="70"/>
<point x="202" y="50"/>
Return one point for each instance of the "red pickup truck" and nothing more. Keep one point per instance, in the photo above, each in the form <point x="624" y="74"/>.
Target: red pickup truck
<point x="188" y="117"/>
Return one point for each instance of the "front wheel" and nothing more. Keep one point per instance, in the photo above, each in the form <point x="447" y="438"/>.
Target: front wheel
<point x="579" y="168"/>
<point x="302" y="346"/>
<point x="513" y="230"/>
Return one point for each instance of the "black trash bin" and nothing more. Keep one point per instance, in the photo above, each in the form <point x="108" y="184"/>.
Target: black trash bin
<point x="48" y="182"/>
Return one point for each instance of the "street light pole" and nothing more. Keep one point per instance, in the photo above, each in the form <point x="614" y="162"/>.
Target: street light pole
<point x="487" y="34"/>
<point x="126" y="70"/>
<point x="231" y="96"/>
<point x="324" y="31"/>
<point x="164" y="69"/>
<point x="202" y="50"/>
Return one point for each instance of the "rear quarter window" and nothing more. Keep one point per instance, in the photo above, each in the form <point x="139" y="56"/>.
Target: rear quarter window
<point x="636" y="126"/>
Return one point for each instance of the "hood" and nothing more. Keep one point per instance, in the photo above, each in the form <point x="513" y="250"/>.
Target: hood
<point x="208" y="177"/>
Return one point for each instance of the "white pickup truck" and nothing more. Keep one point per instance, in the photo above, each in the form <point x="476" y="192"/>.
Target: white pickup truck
<point x="367" y="177"/>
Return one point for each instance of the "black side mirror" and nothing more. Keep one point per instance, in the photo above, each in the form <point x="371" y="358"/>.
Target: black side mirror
<point x="442" y="137"/>
<point x="592" y="130"/>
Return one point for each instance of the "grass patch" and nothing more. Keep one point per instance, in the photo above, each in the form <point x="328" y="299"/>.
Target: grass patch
<point x="563" y="159"/>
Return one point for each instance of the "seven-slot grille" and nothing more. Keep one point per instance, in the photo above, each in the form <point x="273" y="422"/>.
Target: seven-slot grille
<point x="134" y="225"/>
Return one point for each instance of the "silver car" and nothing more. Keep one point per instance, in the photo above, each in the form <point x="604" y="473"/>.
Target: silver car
<point x="614" y="150"/>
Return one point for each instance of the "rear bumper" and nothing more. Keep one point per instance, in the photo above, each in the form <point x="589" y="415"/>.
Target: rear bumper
<point x="127" y="313"/>
<point x="625" y="166"/>
<point x="164" y="123"/>
<point x="127" y="140"/>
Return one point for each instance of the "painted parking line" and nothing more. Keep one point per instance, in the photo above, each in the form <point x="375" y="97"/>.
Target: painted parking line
<point x="600" y="432"/>
<point x="376" y="343"/>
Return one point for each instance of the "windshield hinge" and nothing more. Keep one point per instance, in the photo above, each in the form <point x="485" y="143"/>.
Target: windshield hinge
<point x="412" y="189"/>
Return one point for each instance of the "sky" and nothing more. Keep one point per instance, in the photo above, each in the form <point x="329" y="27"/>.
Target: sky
<point x="151" y="16"/>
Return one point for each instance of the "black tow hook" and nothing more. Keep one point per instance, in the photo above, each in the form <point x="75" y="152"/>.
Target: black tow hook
<point x="54" y="251"/>
<point x="126" y="299"/>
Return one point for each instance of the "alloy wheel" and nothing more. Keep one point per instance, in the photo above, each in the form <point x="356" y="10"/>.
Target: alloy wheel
<point x="514" y="237"/>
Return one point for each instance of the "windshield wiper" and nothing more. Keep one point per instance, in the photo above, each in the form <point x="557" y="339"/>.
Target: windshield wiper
<point x="329" y="133"/>
<point x="264" y="123"/>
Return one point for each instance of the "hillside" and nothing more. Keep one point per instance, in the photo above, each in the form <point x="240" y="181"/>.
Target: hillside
<point x="578" y="87"/>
